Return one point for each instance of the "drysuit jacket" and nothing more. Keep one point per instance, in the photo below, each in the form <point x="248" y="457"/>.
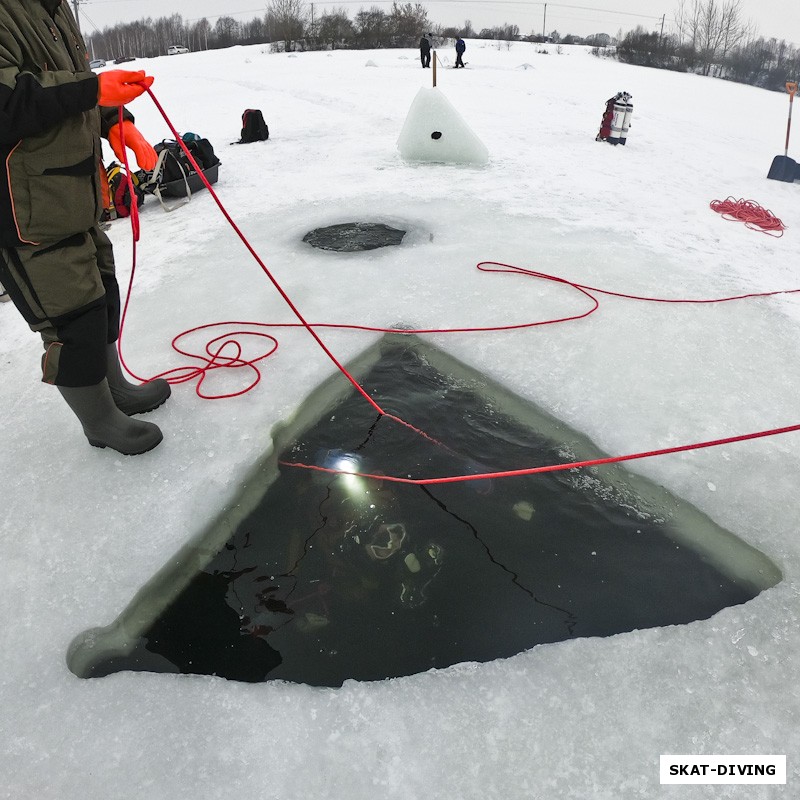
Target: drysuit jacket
<point x="54" y="261"/>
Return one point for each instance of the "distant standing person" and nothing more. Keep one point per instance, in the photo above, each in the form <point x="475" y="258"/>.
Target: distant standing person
<point x="425" y="50"/>
<point x="460" y="48"/>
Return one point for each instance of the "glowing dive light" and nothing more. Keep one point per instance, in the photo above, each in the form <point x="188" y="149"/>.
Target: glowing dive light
<point x="346" y="464"/>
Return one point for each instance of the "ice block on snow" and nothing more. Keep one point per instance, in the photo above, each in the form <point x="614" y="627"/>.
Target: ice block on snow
<point x="434" y="131"/>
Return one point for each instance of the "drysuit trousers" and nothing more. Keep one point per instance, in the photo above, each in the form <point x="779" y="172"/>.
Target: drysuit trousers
<point x="67" y="292"/>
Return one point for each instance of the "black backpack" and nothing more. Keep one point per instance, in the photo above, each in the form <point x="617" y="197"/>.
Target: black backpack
<point x="176" y="164"/>
<point x="174" y="175"/>
<point x="254" y="129"/>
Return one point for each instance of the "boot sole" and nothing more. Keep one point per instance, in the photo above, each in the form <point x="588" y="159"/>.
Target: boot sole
<point x="102" y="446"/>
<point x="147" y="409"/>
<point x="144" y="410"/>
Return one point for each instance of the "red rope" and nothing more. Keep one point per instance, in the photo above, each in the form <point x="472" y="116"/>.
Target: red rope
<point x="257" y="258"/>
<point x="213" y="359"/>
<point x="515" y="473"/>
<point x="751" y="213"/>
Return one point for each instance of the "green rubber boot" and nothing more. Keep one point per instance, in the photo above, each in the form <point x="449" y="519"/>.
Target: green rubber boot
<point x="105" y="425"/>
<point x="130" y="397"/>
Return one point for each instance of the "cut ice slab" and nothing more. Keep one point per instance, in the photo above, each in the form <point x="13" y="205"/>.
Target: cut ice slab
<point x="434" y="131"/>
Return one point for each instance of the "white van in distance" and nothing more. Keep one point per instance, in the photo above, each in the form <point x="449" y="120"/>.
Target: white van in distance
<point x="176" y="49"/>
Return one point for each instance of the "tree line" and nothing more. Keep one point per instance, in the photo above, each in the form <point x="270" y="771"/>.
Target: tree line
<point x="713" y="38"/>
<point x="292" y="25"/>
<point x="710" y="37"/>
<point x="288" y="22"/>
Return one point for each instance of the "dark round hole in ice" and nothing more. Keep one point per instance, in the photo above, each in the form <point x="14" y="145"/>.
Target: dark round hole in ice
<point x="436" y="135"/>
<point x="352" y="237"/>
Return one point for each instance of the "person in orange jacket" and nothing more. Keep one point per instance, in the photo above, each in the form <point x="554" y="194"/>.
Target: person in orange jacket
<point x="55" y="262"/>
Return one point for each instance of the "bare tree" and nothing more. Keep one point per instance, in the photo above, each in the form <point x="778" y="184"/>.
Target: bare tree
<point x="199" y="35"/>
<point x="226" y="32"/>
<point x="371" y="26"/>
<point x="254" y="32"/>
<point x="286" y="21"/>
<point x="734" y="29"/>
<point x="407" y="23"/>
<point x="168" y="30"/>
<point x="711" y="29"/>
<point x="335" y="28"/>
<point x="687" y="22"/>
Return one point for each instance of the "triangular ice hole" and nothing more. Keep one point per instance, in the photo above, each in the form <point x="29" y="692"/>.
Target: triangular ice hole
<point x="317" y="577"/>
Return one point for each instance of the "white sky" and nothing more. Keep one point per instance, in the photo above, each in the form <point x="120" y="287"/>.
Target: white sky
<point x="777" y="18"/>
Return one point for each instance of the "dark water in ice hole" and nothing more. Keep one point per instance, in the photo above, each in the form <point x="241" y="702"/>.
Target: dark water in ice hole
<point x="354" y="237"/>
<point x="311" y="588"/>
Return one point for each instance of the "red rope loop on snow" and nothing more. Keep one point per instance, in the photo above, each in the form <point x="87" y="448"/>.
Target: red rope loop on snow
<point x="257" y="258"/>
<point x="751" y="213"/>
<point x="747" y="211"/>
<point x="215" y="359"/>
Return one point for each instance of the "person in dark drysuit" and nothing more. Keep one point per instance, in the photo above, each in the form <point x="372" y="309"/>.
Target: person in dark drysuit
<point x="460" y="48"/>
<point x="425" y="50"/>
<point x="55" y="262"/>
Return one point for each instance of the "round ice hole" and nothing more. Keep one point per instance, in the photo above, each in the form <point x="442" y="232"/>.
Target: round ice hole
<point x="436" y="135"/>
<point x="352" y="237"/>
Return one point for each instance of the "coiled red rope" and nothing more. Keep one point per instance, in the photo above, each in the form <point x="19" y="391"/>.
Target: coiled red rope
<point x="751" y="213"/>
<point x="216" y="358"/>
<point x="287" y="299"/>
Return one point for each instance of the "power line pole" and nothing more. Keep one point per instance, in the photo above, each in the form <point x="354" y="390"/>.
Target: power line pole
<point x="661" y="35"/>
<point x="544" y="22"/>
<point x="77" y="14"/>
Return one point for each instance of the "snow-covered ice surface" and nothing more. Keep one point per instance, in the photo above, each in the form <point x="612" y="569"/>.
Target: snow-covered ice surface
<point x="83" y="529"/>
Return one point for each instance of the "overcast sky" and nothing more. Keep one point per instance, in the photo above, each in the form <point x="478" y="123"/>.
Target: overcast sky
<point x="779" y="18"/>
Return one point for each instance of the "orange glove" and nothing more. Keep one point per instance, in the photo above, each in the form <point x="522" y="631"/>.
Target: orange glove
<point x="119" y="86"/>
<point x="146" y="156"/>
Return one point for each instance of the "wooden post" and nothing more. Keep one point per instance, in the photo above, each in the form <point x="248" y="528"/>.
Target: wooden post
<point x="434" y="69"/>
<point x="791" y="87"/>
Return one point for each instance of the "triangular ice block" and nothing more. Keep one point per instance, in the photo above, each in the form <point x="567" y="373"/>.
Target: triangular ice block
<point x="434" y="131"/>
